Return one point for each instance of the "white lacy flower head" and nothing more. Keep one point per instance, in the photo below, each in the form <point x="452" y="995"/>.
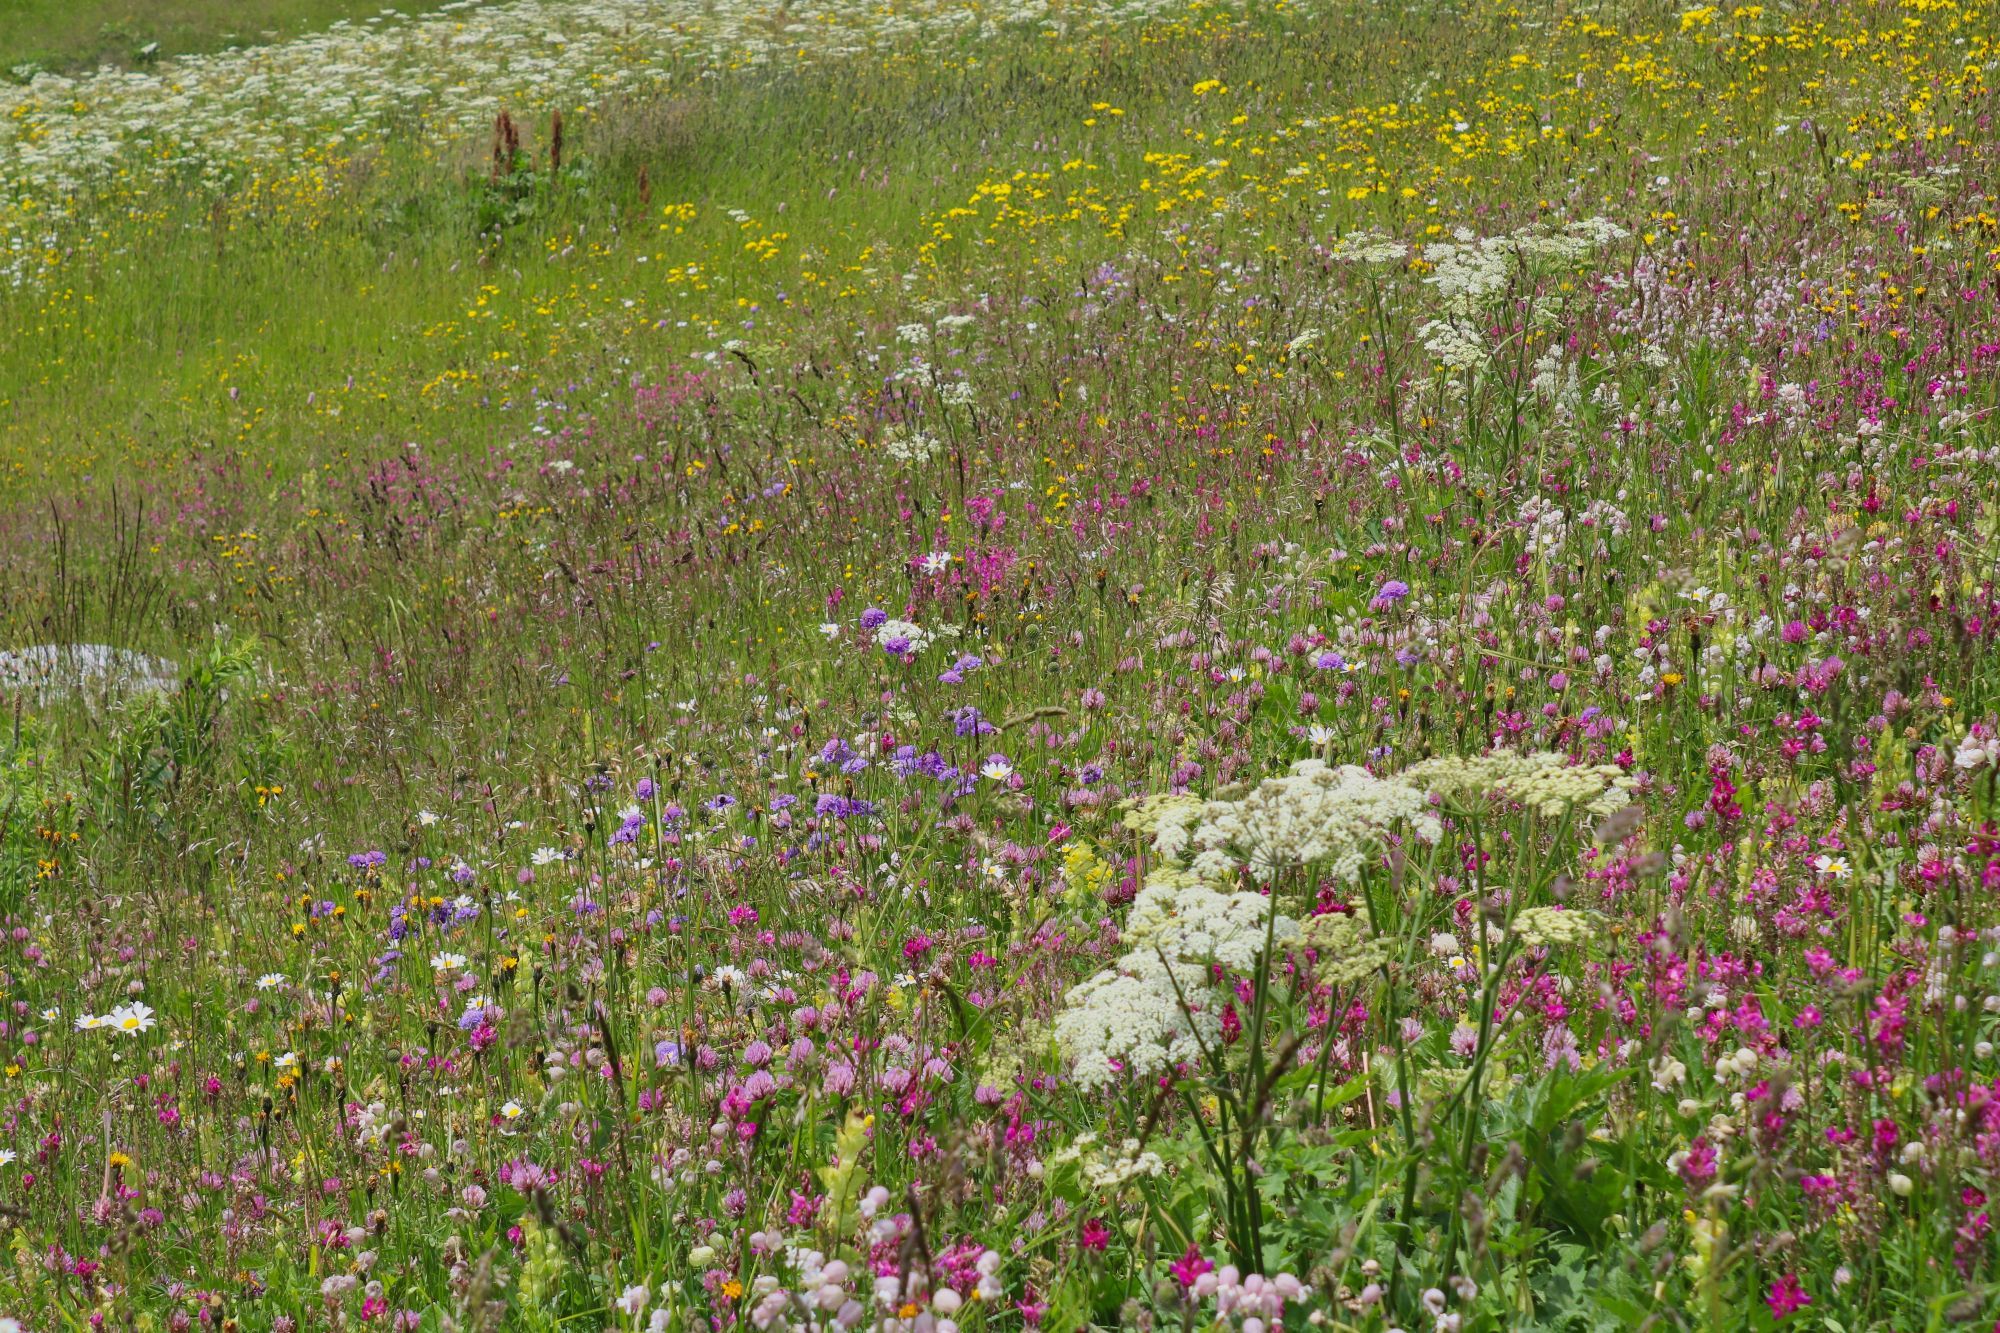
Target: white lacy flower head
<point x="1166" y="820"/>
<point x="911" y="446"/>
<point x="1134" y="1020"/>
<point x="1347" y="948"/>
<point x="1191" y="921"/>
<point x="1369" y="247"/>
<point x="1107" y="1169"/>
<point x="1454" y="343"/>
<point x="1470" y="270"/>
<point x="1314" y="814"/>
<point x="1468" y="275"/>
<point x="1542" y="780"/>
<point x="1159" y="1005"/>
<point x="1557" y="926"/>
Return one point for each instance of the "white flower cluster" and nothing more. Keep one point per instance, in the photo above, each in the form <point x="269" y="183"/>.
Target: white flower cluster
<point x="1542" y="780"/>
<point x="1979" y="749"/>
<point x="1107" y="1171"/>
<point x="1195" y="922"/>
<point x="1454" y="343"/>
<point x="1314" y="814"/>
<point x="1543" y="926"/>
<point x="911" y="446"/>
<point x="1348" y="948"/>
<point x="1155" y="1008"/>
<point x="1369" y="247"/>
<point x="1469" y="270"/>
<point x="1165" y="821"/>
<point x="1130" y="1018"/>
<point x="914" y="636"/>
<point x="1304" y="341"/>
<point x="1256" y="1301"/>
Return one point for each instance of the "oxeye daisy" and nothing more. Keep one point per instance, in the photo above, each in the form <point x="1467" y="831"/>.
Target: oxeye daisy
<point x="133" y="1019"/>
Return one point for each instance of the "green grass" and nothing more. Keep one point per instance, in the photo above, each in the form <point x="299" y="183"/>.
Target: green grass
<point x="62" y="36"/>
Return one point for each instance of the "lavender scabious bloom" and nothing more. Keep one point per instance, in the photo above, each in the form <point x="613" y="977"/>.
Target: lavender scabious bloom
<point x="1392" y="592"/>
<point x="956" y="673"/>
<point x="873" y="616"/>
<point x="969" y="721"/>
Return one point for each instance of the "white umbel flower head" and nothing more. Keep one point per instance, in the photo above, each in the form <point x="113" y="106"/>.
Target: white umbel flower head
<point x="1160" y="1004"/>
<point x="1542" y="780"/>
<point x="1315" y="814"/>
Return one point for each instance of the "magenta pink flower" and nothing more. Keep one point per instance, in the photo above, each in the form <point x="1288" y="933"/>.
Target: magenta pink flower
<point x="1787" y="1296"/>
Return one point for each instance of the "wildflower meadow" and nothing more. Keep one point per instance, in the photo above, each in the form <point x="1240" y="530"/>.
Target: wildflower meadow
<point x="936" y="666"/>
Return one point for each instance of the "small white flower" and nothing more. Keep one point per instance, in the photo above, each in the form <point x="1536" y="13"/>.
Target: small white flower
<point x="996" y="770"/>
<point x="270" y="981"/>
<point x="514" y="1111"/>
<point x="448" y="962"/>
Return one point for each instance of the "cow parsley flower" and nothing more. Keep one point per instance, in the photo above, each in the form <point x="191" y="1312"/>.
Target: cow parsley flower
<point x="1159" y="1005"/>
<point x="1542" y="780"/>
<point x="1314" y="814"/>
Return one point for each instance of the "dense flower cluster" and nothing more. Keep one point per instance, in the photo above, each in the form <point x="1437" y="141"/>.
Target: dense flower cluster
<point x="945" y="669"/>
<point x="1336" y="814"/>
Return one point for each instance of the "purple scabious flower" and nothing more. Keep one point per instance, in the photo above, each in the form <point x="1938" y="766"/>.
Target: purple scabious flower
<point x="969" y="721"/>
<point x="1392" y="592"/>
